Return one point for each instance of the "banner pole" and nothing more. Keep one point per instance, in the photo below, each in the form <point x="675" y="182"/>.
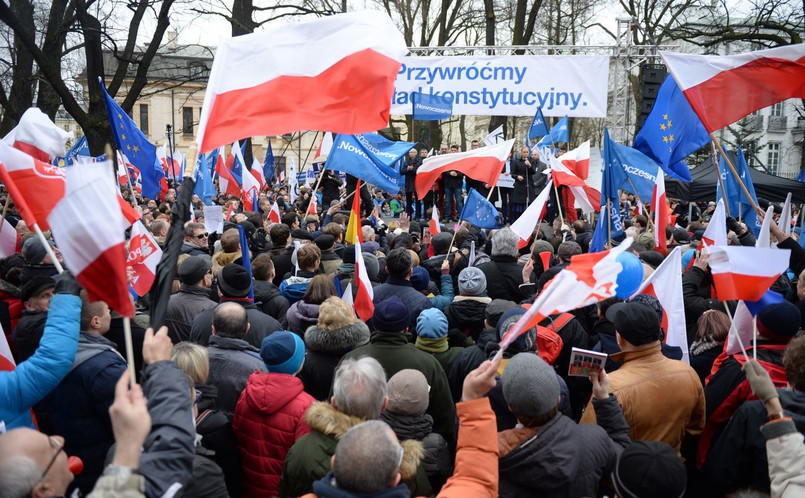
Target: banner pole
<point x="721" y="180"/>
<point x="734" y="172"/>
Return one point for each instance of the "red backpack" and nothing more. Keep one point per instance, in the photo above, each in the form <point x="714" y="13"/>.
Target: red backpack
<point x="549" y="343"/>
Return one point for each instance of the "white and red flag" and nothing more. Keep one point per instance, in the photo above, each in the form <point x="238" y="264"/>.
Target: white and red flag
<point x="144" y="255"/>
<point x="324" y="148"/>
<point x="274" y="213"/>
<point x="578" y="160"/>
<point x="588" y="279"/>
<point x="251" y="189"/>
<point x="10" y="242"/>
<point x="761" y="78"/>
<point x="764" y="236"/>
<point x="227" y="184"/>
<point x="364" y="306"/>
<point x="587" y="197"/>
<point x="257" y="172"/>
<point x="659" y="205"/>
<point x="483" y="164"/>
<point x="92" y="241"/>
<point x="742" y="330"/>
<point x="122" y="169"/>
<point x="35" y="186"/>
<point x="434" y="225"/>
<point x="336" y="73"/>
<point x="716" y="232"/>
<point x="786" y="216"/>
<point x="665" y="283"/>
<point x="312" y="207"/>
<point x="741" y="272"/>
<point x="38" y="136"/>
<point x="525" y="225"/>
<point x="7" y="363"/>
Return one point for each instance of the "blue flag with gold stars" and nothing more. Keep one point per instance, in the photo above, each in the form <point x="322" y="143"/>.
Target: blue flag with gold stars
<point x="133" y="143"/>
<point x="479" y="211"/>
<point x="672" y="131"/>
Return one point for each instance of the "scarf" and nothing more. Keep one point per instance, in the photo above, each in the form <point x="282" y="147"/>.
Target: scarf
<point x="699" y="346"/>
<point x="432" y="345"/>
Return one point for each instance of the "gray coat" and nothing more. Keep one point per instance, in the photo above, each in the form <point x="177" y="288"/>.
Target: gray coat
<point x="183" y="308"/>
<point x="413" y="299"/>
<point x="260" y="324"/>
<point x="232" y="361"/>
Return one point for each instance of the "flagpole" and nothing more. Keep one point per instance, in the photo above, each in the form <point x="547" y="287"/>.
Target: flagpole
<point x="720" y="180"/>
<point x="48" y="249"/>
<point x="640" y="200"/>
<point x="170" y="149"/>
<point x="734" y="172"/>
<point x="609" y="220"/>
<point x="129" y="348"/>
<point x="5" y="210"/>
<point x="558" y="203"/>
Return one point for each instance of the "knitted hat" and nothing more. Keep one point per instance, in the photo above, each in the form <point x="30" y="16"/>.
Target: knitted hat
<point x="335" y="313"/>
<point x="408" y="392"/>
<point x="650" y="301"/>
<point x="526" y="341"/>
<point x="431" y="324"/>
<point x="349" y="255"/>
<point x="636" y="322"/>
<point x="420" y="278"/>
<point x="234" y="281"/>
<point x="33" y="250"/>
<point x="194" y="268"/>
<point x="283" y="352"/>
<point x="649" y="468"/>
<point x="391" y="315"/>
<point x="568" y="249"/>
<point x="540" y="245"/>
<point x="779" y="322"/>
<point x="529" y="385"/>
<point x="325" y="242"/>
<point x="471" y="282"/>
<point x="36" y="285"/>
<point x="495" y="309"/>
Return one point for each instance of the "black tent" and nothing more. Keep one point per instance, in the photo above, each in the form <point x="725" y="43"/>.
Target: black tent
<point x="705" y="178"/>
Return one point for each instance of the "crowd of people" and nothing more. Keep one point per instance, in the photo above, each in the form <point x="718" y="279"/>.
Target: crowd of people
<point x="291" y="394"/>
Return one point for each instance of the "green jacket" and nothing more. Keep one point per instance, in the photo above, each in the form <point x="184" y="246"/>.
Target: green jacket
<point x="394" y="352"/>
<point x="309" y="458"/>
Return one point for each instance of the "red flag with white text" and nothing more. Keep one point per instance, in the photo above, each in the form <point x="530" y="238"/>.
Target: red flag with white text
<point x="144" y="255"/>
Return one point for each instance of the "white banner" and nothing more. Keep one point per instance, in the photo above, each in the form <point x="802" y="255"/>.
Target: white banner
<point x="516" y="85"/>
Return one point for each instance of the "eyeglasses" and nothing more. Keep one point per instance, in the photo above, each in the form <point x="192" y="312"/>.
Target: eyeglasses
<point x="59" y="447"/>
<point x="202" y="236"/>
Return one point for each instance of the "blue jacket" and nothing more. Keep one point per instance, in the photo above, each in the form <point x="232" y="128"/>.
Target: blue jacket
<point x="413" y="299"/>
<point x="35" y="377"/>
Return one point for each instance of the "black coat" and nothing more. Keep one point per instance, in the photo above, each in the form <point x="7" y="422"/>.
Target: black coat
<point x="467" y="315"/>
<point x="467" y="361"/>
<point x="410" y="176"/>
<point x="28" y="333"/>
<point x="324" y="350"/>
<point x="503" y="278"/>
<point x="261" y="325"/>
<point x="271" y="302"/>
<point x="330" y="190"/>
<point x="451" y="181"/>
<point x="521" y="187"/>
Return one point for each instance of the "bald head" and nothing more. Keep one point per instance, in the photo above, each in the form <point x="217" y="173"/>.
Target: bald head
<point x="230" y="320"/>
<point x="24" y="456"/>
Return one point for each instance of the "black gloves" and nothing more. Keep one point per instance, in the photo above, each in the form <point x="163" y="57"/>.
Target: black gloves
<point x="733" y="225"/>
<point x="67" y="284"/>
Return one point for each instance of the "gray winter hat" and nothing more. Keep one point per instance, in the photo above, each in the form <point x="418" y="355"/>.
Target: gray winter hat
<point x="529" y="385"/>
<point x="408" y="392"/>
<point x="471" y="282"/>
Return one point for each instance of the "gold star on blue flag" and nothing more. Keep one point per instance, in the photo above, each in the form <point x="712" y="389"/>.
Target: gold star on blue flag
<point x="479" y="211"/>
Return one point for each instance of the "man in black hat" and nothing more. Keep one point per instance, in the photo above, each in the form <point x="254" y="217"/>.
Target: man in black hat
<point x="195" y="275"/>
<point x="234" y="283"/>
<point x="655" y="411"/>
<point x="35" y="296"/>
<point x="329" y="259"/>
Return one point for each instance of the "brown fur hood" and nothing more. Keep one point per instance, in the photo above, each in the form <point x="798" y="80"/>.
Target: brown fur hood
<point x="324" y="418"/>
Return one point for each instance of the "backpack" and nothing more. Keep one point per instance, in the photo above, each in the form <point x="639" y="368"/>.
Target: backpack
<point x="549" y="343"/>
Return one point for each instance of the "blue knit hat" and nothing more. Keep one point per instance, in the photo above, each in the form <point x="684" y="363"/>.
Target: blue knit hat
<point x="526" y="341"/>
<point x="391" y="315"/>
<point x="283" y="352"/>
<point x="420" y="278"/>
<point x="431" y="324"/>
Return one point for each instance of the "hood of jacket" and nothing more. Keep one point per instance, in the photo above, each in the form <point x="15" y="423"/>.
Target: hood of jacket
<point x="337" y="341"/>
<point x="466" y="309"/>
<point x="221" y="259"/>
<point x="91" y="345"/>
<point x="269" y="392"/>
<point x="323" y="418"/>
<point x="9" y="289"/>
<point x="327" y="487"/>
<point x="408" y="426"/>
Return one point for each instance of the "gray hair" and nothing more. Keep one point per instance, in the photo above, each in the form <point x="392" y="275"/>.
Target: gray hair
<point x="504" y="243"/>
<point x="19" y="475"/>
<point x="359" y="387"/>
<point x="367" y="458"/>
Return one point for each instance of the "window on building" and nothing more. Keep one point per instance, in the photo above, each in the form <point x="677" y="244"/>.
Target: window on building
<point x="144" y="118"/>
<point x="196" y="69"/>
<point x="773" y="158"/>
<point x="778" y="109"/>
<point x="187" y="121"/>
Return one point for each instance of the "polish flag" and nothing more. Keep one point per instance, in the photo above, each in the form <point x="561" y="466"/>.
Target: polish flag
<point x="226" y="182"/>
<point x="483" y="164"/>
<point x="257" y="173"/>
<point x="665" y="283"/>
<point x="347" y="295"/>
<point x="251" y="188"/>
<point x="336" y="73"/>
<point x="144" y="254"/>
<point x="171" y="167"/>
<point x="638" y="209"/>
<point x="312" y="205"/>
<point x="745" y="272"/>
<point x="588" y="198"/>
<point x="364" y="306"/>
<point x="91" y="240"/>
<point x="38" y="136"/>
<point x="786" y="217"/>
<point x="716" y="232"/>
<point x="122" y="169"/>
<point x="578" y="160"/>
<point x="9" y="240"/>
<point x="130" y="215"/>
<point x="659" y="204"/>
<point x="761" y="78"/>
<point x="525" y="225"/>
<point x="324" y="148"/>
<point x="35" y="186"/>
<point x="588" y="279"/>
<point x="274" y="213"/>
<point x="742" y="330"/>
<point x="434" y="225"/>
<point x="764" y="236"/>
<point x="7" y="363"/>
<point x="354" y="235"/>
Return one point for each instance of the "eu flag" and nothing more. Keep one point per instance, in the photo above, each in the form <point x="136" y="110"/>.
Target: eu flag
<point x="738" y="203"/>
<point x="247" y="262"/>
<point x="133" y="143"/>
<point x="268" y="165"/>
<point x="672" y="131"/>
<point x="613" y="175"/>
<point x="557" y="134"/>
<point x="430" y="107"/>
<point x="479" y="211"/>
<point x="539" y="128"/>
<point x="204" y="189"/>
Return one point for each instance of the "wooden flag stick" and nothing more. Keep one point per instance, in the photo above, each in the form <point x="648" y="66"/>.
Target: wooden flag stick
<point x="129" y="347"/>
<point x="734" y="172"/>
<point x="720" y="180"/>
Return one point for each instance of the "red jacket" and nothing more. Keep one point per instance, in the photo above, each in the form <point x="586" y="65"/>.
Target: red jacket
<point x="269" y="418"/>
